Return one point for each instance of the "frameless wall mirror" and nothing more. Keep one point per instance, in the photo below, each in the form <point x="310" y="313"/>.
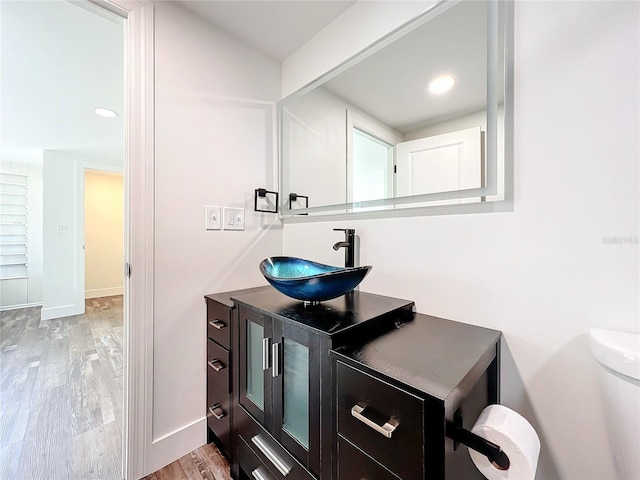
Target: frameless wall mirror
<point x="420" y="119"/>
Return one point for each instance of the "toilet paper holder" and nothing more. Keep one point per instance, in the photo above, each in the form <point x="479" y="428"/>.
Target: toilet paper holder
<point x="456" y="432"/>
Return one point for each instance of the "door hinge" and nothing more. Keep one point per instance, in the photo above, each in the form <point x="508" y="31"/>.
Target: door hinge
<point x="395" y="169"/>
<point x="127" y="270"/>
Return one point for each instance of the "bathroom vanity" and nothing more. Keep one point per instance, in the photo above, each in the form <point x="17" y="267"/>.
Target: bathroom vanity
<point x="356" y="387"/>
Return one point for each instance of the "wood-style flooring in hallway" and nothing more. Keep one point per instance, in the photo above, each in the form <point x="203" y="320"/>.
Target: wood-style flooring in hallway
<point x="204" y="463"/>
<point x="61" y="387"/>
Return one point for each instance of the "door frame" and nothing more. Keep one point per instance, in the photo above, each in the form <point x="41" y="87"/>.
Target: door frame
<point x="138" y="232"/>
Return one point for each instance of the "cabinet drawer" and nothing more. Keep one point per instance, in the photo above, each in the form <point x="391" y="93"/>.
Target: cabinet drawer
<point x="218" y="385"/>
<point x="281" y="464"/>
<point x="218" y="364"/>
<point x="252" y="465"/>
<point x="221" y="427"/>
<point x="382" y="420"/>
<point x="219" y="323"/>
<point x="218" y="393"/>
<point x="355" y="465"/>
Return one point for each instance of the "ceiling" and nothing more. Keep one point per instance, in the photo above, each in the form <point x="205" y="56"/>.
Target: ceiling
<point x="60" y="60"/>
<point x="391" y="84"/>
<point x="277" y="28"/>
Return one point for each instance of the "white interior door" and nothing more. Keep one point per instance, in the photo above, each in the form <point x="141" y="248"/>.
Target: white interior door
<point x="442" y="163"/>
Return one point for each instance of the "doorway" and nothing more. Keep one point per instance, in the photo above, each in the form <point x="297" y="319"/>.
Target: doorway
<point x="103" y="233"/>
<point x="62" y="384"/>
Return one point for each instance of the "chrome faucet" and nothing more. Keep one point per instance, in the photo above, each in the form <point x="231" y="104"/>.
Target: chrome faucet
<point x="349" y="245"/>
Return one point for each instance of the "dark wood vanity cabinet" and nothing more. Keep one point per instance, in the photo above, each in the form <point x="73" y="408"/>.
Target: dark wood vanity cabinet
<point x="396" y="392"/>
<point x="219" y="318"/>
<point x="285" y="382"/>
<point x="221" y="313"/>
<point x="357" y="387"/>
<point x="279" y="381"/>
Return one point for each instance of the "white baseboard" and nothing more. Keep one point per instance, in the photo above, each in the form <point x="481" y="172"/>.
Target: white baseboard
<point x="63" y="311"/>
<point x="22" y="305"/>
<point x="174" y="445"/>
<point x="102" y="292"/>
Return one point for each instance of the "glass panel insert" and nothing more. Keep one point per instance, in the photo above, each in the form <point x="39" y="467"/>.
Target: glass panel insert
<point x="295" y="408"/>
<point x="255" y="375"/>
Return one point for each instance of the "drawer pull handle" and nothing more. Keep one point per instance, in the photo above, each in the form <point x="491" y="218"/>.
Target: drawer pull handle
<point x="216" y="364"/>
<point x="260" y="474"/>
<point x="387" y="429"/>
<point x="265" y="353"/>
<point x="217" y="324"/>
<point x="275" y="359"/>
<point x="217" y="411"/>
<point x="282" y="467"/>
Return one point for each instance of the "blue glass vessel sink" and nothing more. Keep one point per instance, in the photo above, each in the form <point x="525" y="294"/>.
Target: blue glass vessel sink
<point x="310" y="281"/>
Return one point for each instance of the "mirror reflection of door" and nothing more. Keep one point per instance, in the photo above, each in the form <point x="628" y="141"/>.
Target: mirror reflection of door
<point x="370" y="158"/>
<point x="372" y="168"/>
<point x="441" y="163"/>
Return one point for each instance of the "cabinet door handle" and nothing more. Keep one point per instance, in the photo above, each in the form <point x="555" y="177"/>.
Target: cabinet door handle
<point x="260" y="474"/>
<point x="387" y="429"/>
<point x="216" y="364"/>
<point x="275" y="359"/>
<point x="217" y="411"/>
<point x="265" y="353"/>
<point x="273" y="457"/>
<point x="217" y="324"/>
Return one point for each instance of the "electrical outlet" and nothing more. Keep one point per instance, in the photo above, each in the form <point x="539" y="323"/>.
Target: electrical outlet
<point x="211" y="217"/>
<point x="233" y="218"/>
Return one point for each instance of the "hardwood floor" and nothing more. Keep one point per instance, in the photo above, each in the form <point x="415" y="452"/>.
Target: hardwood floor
<point x="204" y="463"/>
<point x="61" y="394"/>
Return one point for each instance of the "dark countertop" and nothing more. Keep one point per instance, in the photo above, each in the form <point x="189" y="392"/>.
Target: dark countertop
<point x="438" y="357"/>
<point x="434" y="356"/>
<point x="225" y="297"/>
<point x="331" y="317"/>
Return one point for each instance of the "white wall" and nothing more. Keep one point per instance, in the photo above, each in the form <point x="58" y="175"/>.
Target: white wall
<point x="104" y="224"/>
<point x="544" y="273"/>
<point x="63" y="228"/>
<point x="60" y="242"/>
<point x="215" y="120"/>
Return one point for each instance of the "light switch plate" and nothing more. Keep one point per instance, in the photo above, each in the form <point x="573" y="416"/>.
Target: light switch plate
<point x="212" y="217"/>
<point x="233" y="218"/>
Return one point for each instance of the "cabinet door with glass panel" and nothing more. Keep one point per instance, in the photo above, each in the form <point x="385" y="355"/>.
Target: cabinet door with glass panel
<point x="255" y="365"/>
<point x="280" y="382"/>
<point x="296" y="391"/>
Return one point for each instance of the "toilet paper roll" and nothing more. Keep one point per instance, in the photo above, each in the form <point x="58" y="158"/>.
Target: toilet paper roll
<point x="515" y="436"/>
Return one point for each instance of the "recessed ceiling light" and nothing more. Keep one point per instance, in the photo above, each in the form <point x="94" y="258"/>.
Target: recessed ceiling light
<point x="105" y="112"/>
<point x="442" y="84"/>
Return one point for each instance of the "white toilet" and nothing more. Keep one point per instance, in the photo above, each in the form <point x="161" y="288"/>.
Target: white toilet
<point x="619" y="356"/>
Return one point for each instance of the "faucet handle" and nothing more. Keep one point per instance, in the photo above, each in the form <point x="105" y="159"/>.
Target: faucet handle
<point x="347" y="231"/>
